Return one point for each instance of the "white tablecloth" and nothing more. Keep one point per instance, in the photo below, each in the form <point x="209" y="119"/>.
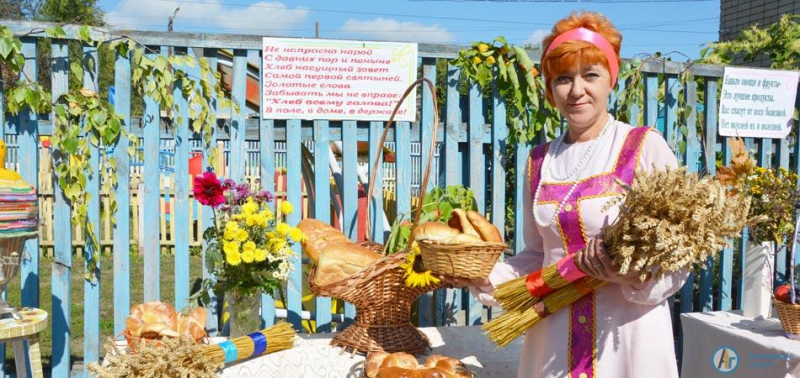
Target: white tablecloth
<point x="313" y="357"/>
<point x="723" y="344"/>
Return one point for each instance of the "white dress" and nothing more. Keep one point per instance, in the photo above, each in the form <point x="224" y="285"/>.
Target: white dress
<point x="620" y="331"/>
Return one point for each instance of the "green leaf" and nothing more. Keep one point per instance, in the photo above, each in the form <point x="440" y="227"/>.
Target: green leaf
<point x="522" y="58"/>
<point x="85" y="33"/>
<point x="56" y="32"/>
<point x="6" y="47"/>
<point x="77" y="71"/>
<point x="99" y="118"/>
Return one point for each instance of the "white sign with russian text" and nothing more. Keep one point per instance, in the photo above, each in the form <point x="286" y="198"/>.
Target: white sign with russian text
<point x="757" y="103"/>
<point x="337" y="80"/>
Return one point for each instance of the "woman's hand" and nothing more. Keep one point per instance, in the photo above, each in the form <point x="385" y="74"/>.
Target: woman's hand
<point x="463" y="282"/>
<point x="594" y="261"/>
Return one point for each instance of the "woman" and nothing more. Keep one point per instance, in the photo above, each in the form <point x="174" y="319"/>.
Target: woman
<point x="624" y="328"/>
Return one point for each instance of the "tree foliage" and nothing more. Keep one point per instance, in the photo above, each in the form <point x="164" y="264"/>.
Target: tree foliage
<point x="779" y="41"/>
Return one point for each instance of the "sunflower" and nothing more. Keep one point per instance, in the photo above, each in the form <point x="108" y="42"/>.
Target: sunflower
<point x="415" y="275"/>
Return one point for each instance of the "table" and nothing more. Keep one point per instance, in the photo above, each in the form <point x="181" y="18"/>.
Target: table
<point x="16" y="331"/>
<point x="724" y="344"/>
<point x="313" y="357"/>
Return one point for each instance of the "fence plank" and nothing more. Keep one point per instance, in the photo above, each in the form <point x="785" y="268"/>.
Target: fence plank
<point x="425" y="305"/>
<point x="214" y="307"/>
<point x="499" y="135"/>
<point x="62" y="246"/>
<point x="782" y="258"/>
<point x="239" y="97"/>
<point x="377" y="215"/>
<point x="322" y="207"/>
<point x="28" y="150"/>
<point x="121" y="230"/>
<point x="294" y="195"/>
<point x="151" y="193"/>
<point x="180" y="212"/>
<point x="349" y="193"/>
<point x="651" y="100"/>
<point x="725" y="299"/>
<point x="671" y="132"/>
<point x="450" y="165"/>
<point x="477" y="181"/>
<point x="91" y="288"/>
<point x="267" y="172"/>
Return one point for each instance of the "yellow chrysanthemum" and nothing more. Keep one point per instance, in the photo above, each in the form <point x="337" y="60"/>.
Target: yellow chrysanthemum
<point x="230" y="234"/>
<point x="251" y="220"/>
<point x="237" y="217"/>
<point x="415" y="276"/>
<point x="260" y="254"/>
<point x="267" y="213"/>
<point x="248" y="256"/>
<point x="249" y="246"/>
<point x="283" y="229"/>
<point x="233" y="259"/>
<point x="296" y="234"/>
<point x="230" y="247"/>
<point x="249" y="207"/>
<point x="232" y="226"/>
<point x="277" y="244"/>
<point x="286" y="208"/>
<point x="242" y="235"/>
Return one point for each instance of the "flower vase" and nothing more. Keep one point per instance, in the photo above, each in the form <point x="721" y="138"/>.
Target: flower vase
<point x="244" y="310"/>
<point x="757" y="276"/>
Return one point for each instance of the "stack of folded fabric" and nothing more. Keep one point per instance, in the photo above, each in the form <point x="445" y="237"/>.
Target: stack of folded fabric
<point x="19" y="212"/>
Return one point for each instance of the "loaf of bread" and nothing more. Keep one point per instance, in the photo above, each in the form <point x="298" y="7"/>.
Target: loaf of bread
<point x="374" y="362"/>
<point x="488" y="232"/>
<point x="318" y="236"/>
<point x="341" y="260"/>
<point x="396" y="372"/>
<point x="434" y="231"/>
<point x="460" y="222"/>
<point x="404" y="365"/>
<point x="462" y="239"/>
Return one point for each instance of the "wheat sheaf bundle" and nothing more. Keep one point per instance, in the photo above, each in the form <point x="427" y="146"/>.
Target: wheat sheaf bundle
<point x="668" y="220"/>
<point x="182" y="357"/>
<point x="671" y="219"/>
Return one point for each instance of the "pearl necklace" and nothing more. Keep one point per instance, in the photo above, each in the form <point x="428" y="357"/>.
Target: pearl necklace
<point x="580" y="168"/>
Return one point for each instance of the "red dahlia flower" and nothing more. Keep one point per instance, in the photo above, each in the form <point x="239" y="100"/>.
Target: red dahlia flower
<point x="208" y="190"/>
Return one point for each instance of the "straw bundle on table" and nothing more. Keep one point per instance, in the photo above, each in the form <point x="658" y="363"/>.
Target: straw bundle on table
<point x="279" y="337"/>
<point x="668" y="220"/>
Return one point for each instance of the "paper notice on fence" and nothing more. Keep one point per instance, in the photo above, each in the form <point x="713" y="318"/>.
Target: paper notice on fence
<point x="757" y="103"/>
<point x="337" y="80"/>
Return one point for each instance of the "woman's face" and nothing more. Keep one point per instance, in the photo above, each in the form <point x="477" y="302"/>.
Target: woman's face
<point x="582" y="95"/>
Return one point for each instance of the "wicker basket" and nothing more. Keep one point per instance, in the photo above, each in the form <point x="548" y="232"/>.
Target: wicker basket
<point x="790" y="318"/>
<point x="379" y="293"/>
<point x="383" y="307"/>
<point x="470" y="261"/>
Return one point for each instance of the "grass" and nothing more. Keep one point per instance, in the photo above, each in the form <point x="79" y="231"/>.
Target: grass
<point x="106" y="298"/>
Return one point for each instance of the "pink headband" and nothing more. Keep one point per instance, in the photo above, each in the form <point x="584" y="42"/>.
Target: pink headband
<point x="583" y="34"/>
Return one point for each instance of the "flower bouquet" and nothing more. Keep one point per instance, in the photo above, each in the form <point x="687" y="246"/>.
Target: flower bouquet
<point x="248" y="248"/>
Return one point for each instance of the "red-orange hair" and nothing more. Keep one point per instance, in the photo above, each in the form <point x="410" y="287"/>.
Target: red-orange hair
<point x="571" y="54"/>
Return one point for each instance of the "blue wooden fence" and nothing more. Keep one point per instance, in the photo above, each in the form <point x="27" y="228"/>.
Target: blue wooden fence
<point x="473" y="153"/>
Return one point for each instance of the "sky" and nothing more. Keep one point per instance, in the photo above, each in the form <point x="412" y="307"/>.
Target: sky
<point x="666" y="26"/>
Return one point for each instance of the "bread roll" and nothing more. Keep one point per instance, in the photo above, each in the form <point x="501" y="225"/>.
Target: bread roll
<point x="454" y="367"/>
<point x="341" y="260"/>
<point x="434" y="359"/>
<point x="434" y="231"/>
<point x="462" y="239"/>
<point x="318" y="235"/>
<point x="401" y="360"/>
<point x="397" y="372"/>
<point x="486" y="229"/>
<point x="374" y="362"/>
<point x="460" y="222"/>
